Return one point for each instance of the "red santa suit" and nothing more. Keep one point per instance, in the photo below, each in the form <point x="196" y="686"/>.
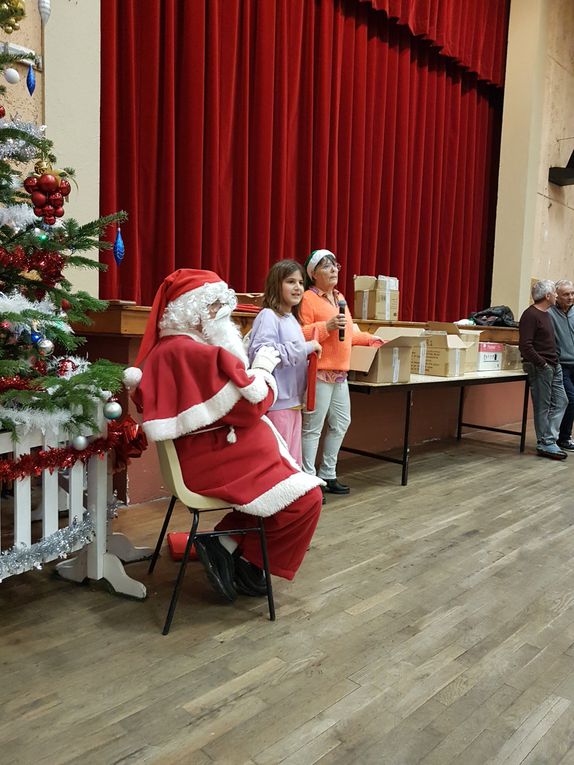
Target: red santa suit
<point x="202" y="396"/>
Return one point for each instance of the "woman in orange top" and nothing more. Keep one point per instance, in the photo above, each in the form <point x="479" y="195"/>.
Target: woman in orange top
<point x="320" y="316"/>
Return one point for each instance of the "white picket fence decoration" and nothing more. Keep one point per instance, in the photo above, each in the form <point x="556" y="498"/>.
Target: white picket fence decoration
<point x="66" y="496"/>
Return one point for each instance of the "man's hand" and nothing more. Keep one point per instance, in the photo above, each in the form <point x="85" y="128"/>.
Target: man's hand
<point x="266" y="358"/>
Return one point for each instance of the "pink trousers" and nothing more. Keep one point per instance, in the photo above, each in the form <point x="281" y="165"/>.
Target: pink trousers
<point x="289" y="424"/>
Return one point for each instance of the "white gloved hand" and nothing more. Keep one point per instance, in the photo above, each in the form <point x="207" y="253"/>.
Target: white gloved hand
<point x="266" y="358"/>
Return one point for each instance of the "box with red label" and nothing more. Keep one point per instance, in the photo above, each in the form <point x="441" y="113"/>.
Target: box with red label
<point x="490" y="357"/>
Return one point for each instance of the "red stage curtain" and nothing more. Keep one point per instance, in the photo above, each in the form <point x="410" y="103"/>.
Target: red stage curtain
<point x="472" y="32"/>
<point x="238" y="133"/>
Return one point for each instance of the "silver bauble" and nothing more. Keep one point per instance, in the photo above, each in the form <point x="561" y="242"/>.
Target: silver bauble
<point x="45" y="347"/>
<point x="112" y="410"/>
<point x="80" y="443"/>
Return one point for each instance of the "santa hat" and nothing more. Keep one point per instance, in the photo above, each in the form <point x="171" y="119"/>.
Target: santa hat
<point x="180" y="282"/>
<point x="315" y="258"/>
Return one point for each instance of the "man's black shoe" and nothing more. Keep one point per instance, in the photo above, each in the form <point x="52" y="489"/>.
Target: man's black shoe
<point x="334" y="487"/>
<point x="568" y="445"/>
<point x="249" y="579"/>
<point x="219" y="565"/>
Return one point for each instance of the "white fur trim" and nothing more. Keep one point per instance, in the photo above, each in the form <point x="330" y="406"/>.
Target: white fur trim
<point x="258" y="389"/>
<point x="281" y="495"/>
<point x="196" y="417"/>
<point x="132" y="377"/>
<point x="210" y="411"/>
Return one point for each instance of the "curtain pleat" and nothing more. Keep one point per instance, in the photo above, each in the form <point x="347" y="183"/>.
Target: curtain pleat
<point x="471" y="32"/>
<point x="239" y="133"/>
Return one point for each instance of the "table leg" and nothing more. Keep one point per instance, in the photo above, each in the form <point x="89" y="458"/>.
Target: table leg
<point x="460" y="413"/>
<point x="524" y="416"/>
<point x="406" y="450"/>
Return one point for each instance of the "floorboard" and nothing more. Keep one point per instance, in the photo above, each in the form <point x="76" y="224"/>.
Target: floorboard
<point x="432" y="624"/>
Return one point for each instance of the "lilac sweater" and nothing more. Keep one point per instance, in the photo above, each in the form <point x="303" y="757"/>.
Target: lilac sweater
<point x="283" y="333"/>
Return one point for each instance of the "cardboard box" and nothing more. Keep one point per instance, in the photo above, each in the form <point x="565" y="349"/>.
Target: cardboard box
<point x="365" y="283"/>
<point x="377" y="304"/>
<point x="489" y="357"/>
<point x="511" y="357"/>
<point x="387" y="283"/>
<point x="381" y="283"/>
<point x="471" y="337"/>
<point x="391" y="363"/>
<point x="443" y="355"/>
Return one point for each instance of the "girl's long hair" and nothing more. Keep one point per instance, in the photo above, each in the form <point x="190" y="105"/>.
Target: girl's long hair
<point x="273" y="285"/>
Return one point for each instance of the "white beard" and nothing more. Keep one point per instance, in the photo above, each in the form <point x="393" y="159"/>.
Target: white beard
<point x="225" y="333"/>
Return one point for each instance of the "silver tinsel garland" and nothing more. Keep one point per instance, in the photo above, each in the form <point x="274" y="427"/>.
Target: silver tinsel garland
<point x="13" y="148"/>
<point x="60" y="544"/>
<point x="113" y="505"/>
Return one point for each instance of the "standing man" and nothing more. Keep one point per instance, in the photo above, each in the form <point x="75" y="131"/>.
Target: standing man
<point x="562" y="315"/>
<point x="540" y="358"/>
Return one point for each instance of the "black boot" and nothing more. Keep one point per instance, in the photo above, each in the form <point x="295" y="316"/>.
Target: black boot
<point x="334" y="487"/>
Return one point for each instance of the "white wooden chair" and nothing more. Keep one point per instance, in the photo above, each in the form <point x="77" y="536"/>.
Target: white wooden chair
<point x="197" y="504"/>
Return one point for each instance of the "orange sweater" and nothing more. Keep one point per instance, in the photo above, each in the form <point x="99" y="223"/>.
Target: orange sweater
<point x="314" y="313"/>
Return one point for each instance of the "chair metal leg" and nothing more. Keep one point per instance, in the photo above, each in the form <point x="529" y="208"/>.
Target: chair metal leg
<point x="181" y="572"/>
<point x="166" y="521"/>
<point x="263" y="541"/>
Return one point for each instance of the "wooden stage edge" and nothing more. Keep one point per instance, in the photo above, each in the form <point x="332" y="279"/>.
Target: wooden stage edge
<point x="126" y="319"/>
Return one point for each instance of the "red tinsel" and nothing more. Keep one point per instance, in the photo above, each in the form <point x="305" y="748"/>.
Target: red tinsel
<point x="14" y="383"/>
<point x="48" y="264"/>
<point x="15" y="259"/>
<point x="125" y="436"/>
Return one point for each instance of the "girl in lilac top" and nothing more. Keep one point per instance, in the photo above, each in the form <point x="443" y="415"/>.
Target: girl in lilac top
<point x="277" y="325"/>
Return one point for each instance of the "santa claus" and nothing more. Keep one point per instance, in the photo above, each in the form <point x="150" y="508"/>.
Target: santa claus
<point x="196" y="389"/>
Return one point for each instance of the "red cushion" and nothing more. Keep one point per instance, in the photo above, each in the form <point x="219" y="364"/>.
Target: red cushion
<point x="177" y="541"/>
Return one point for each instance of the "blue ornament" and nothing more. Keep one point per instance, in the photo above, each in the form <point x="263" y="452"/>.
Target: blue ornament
<point x="35" y="336"/>
<point x="31" y="80"/>
<point x="119" y="249"/>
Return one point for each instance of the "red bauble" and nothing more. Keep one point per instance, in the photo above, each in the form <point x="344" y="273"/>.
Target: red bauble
<point x="31" y="183"/>
<point x="56" y="199"/>
<point x="58" y="212"/>
<point x="38" y="199"/>
<point x="65" y="187"/>
<point x="49" y="220"/>
<point x="39" y="211"/>
<point x="65" y="305"/>
<point x="48" y="182"/>
<point x="48" y="210"/>
<point x="2" y="112"/>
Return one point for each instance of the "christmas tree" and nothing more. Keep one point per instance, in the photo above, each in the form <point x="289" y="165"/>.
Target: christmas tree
<point x="44" y="383"/>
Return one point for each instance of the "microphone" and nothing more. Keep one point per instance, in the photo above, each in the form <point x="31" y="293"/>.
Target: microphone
<point x="342" y="305"/>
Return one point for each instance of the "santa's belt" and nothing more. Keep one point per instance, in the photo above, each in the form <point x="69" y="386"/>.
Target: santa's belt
<point x="231" y="437"/>
<point x="206" y="430"/>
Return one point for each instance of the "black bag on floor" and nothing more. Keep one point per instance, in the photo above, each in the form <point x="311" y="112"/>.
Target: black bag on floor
<point x="496" y="316"/>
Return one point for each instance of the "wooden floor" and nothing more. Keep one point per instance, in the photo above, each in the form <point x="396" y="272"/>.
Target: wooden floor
<point x="429" y="624"/>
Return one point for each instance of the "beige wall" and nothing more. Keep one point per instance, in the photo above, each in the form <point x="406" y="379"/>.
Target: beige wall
<point x="17" y="101"/>
<point x="72" y="64"/>
<point x="553" y="250"/>
<point x="535" y="219"/>
<point x="67" y="100"/>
